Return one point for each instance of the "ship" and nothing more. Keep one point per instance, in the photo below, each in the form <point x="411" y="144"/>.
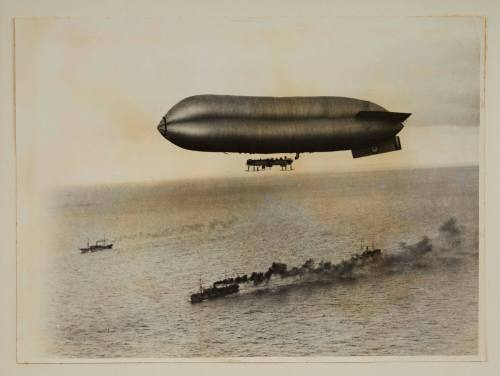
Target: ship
<point x="100" y="245"/>
<point x="368" y="252"/>
<point x="215" y="291"/>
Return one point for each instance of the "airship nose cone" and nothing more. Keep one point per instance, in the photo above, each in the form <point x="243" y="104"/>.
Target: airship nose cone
<point x="162" y="127"/>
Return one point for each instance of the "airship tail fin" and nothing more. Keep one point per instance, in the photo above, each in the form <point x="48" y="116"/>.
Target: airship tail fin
<point x="396" y="117"/>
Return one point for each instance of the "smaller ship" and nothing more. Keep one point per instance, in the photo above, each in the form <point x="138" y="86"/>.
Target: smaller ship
<point x="214" y="292"/>
<point x="99" y="245"/>
<point x="369" y="252"/>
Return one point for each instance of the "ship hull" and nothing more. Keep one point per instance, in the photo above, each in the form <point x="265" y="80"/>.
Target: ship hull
<point x="214" y="293"/>
<point x="96" y="248"/>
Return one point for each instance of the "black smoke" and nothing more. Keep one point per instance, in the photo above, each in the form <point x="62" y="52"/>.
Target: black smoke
<point x="451" y="233"/>
<point x="342" y="270"/>
<point x="450" y="227"/>
<point x="370" y="262"/>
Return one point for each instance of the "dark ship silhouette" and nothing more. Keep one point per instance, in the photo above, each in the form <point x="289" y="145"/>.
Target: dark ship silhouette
<point x="215" y="291"/>
<point x="99" y="245"/>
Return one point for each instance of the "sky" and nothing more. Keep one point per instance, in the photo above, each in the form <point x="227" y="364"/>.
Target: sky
<point x="90" y="92"/>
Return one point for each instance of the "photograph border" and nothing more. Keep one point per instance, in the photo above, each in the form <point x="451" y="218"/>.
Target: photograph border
<point x="481" y="357"/>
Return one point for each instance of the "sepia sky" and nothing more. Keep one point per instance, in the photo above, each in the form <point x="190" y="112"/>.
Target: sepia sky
<point x="90" y="92"/>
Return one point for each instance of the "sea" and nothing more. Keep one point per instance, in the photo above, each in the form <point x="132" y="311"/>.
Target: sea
<point x="168" y="237"/>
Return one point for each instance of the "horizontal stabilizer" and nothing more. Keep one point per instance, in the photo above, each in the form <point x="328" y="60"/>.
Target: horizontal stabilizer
<point x="397" y="117"/>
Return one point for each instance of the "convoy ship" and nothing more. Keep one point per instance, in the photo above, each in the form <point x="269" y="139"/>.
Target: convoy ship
<point x="99" y="245"/>
<point x="214" y="291"/>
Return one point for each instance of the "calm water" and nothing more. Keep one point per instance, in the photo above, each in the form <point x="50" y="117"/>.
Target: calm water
<point x="133" y="301"/>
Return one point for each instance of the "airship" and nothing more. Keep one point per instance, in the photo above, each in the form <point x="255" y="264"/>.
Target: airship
<point x="288" y="125"/>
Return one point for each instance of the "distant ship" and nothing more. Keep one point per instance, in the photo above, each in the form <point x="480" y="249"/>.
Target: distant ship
<point x="214" y="291"/>
<point x="99" y="245"/>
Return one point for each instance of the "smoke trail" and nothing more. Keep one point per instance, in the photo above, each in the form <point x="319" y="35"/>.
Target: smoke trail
<point x="452" y="233"/>
<point x="342" y="270"/>
<point x="450" y="227"/>
<point x="409" y="254"/>
<point x="371" y="261"/>
<point x="213" y="225"/>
